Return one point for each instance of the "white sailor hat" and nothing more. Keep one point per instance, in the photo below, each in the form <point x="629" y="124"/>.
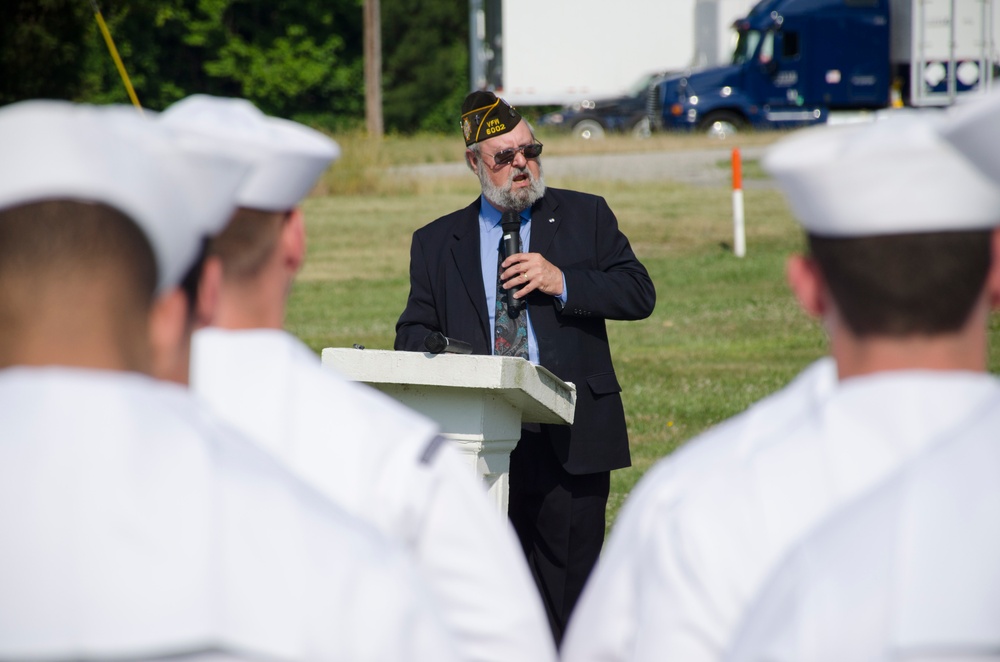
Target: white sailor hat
<point x="53" y="150"/>
<point x="286" y="158"/>
<point x="893" y="176"/>
<point x="973" y="128"/>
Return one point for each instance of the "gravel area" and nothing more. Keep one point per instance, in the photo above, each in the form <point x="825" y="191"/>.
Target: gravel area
<point x="697" y="167"/>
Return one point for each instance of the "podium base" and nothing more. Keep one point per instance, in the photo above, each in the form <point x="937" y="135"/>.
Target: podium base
<point x="479" y="401"/>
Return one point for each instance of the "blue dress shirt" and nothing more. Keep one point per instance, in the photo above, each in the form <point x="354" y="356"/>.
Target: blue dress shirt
<point x="489" y="243"/>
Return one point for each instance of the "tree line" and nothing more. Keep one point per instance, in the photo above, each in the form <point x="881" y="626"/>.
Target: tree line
<point x="300" y="59"/>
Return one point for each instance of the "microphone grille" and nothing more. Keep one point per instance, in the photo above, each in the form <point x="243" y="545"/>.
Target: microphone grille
<point x="510" y="221"/>
<point x="435" y="342"/>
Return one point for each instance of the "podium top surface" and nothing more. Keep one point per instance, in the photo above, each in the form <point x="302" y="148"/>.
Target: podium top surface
<point x="541" y="396"/>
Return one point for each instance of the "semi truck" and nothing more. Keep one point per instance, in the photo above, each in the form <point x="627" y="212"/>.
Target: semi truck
<point x="799" y="62"/>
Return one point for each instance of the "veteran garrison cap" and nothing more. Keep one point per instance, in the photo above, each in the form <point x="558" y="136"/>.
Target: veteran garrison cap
<point x="484" y="115"/>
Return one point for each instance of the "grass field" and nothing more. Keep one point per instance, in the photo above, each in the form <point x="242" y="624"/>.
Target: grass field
<point x="725" y="331"/>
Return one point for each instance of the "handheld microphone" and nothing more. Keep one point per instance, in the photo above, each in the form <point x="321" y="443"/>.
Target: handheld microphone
<point x="436" y="343"/>
<point x="511" y="224"/>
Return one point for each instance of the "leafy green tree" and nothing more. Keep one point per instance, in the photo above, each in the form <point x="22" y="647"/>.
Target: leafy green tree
<point x="294" y="58"/>
<point x="288" y="57"/>
<point x="152" y="43"/>
<point x="45" y="44"/>
<point x="425" y="46"/>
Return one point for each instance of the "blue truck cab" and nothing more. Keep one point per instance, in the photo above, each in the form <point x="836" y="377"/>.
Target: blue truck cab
<point x="795" y="62"/>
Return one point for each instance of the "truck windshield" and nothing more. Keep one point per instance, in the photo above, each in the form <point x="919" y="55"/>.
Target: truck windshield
<point x="746" y="44"/>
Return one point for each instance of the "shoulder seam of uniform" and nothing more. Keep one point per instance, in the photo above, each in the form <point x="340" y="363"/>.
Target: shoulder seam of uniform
<point x="432" y="449"/>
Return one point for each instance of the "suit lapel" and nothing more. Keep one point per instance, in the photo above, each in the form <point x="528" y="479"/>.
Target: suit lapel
<point x="545" y="221"/>
<point x="465" y="252"/>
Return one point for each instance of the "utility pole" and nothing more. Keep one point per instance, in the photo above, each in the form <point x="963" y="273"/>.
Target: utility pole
<point x="373" y="68"/>
<point x="477" y="45"/>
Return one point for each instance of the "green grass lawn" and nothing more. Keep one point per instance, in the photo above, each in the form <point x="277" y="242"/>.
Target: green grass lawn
<point x="725" y="332"/>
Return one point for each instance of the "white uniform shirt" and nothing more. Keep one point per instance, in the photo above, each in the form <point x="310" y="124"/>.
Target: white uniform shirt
<point x="909" y="571"/>
<point x="704" y="528"/>
<point x="386" y="464"/>
<point x="136" y="527"/>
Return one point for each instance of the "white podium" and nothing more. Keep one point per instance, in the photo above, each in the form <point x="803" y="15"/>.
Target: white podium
<point x="479" y="401"/>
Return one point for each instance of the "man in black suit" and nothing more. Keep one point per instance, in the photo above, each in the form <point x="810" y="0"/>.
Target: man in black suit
<point x="576" y="270"/>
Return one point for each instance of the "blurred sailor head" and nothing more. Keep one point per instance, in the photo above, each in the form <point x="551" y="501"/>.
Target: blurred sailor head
<point x="263" y="246"/>
<point x="101" y="215"/>
<point x="901" y="233"/>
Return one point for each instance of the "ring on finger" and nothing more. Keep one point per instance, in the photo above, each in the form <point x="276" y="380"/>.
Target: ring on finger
<point x="524" y="275"/>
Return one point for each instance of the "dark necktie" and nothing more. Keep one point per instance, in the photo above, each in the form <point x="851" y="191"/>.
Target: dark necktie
<point x="511" y="334"/>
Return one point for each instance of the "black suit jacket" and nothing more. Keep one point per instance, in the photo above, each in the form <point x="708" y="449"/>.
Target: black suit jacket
<point x="578" y="233"/>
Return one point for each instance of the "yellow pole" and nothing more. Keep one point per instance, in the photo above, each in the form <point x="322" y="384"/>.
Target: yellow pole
<point x="114" y="55"/>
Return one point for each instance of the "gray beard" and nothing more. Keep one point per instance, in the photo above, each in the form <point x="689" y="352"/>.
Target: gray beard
<point x="506" y="197"/>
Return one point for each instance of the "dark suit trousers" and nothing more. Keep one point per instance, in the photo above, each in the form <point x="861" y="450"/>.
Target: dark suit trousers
<point x="559" y="518"/>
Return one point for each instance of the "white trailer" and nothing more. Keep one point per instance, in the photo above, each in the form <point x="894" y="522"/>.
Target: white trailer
<point x="542" y="52"/>
<point x="948" y="46"/>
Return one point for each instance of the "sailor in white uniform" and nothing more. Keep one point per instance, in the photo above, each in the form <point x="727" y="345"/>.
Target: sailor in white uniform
<point x="369" y="454"/>
<point x="908" y="571"/>
<point x="899" y="251"/>
<point x="134" y="525"/>
<point x="606" y="628"/>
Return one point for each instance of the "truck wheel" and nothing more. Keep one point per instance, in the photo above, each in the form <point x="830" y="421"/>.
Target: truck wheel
<point x="722" y="123"/>
<point x="588" y="130"/>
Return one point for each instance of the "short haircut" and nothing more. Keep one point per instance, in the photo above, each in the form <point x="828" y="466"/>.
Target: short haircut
<point x="66" y="239"/>
<point x="70" y="267"/>
<point x="247" y="243"/>
<point x="902" y="285"/>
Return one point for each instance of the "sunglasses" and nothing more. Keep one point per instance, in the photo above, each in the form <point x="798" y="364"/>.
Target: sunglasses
<point x="506" y="156"/>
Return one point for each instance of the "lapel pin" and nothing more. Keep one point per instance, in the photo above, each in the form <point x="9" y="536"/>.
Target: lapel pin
<point x="552" y="220"/>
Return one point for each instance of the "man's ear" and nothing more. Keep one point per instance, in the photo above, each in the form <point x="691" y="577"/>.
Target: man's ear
<point x="168" y="332"/>
<point x="993" y="276"/>
<point x="209" y="289"/>
<point x="808" y="285"/>
<point x="293" y="241"/>
<point x="472" y="160"/>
